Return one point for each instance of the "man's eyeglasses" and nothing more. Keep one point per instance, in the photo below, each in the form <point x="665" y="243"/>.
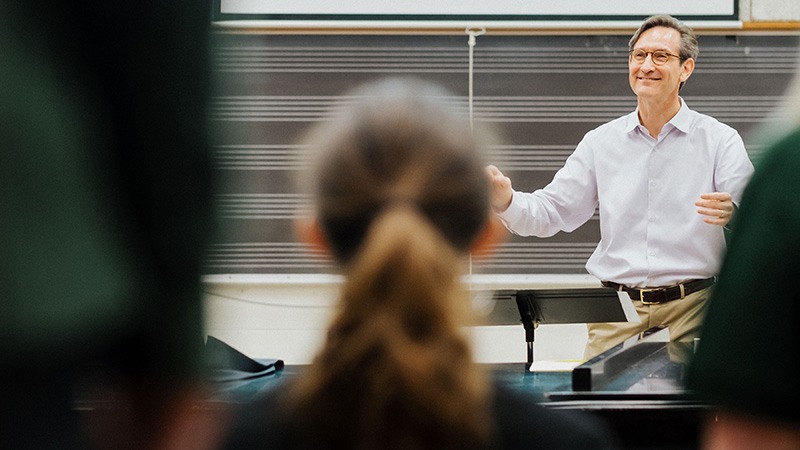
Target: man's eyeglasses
<point x="659" y="57"/>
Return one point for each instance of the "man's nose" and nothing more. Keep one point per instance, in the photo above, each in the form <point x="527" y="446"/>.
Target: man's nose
<point x="647" y="64"/>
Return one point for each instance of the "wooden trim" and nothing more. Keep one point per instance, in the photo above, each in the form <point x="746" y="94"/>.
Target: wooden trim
<point x="771" y="26"/>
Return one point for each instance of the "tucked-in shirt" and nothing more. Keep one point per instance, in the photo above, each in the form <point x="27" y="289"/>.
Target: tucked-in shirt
<point x="645" y="188"/>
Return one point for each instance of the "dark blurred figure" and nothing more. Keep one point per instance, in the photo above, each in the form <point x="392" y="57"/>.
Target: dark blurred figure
<point x="746" y="361"/>
<point x="401" y="199"/>
<point x="106" y="208"/>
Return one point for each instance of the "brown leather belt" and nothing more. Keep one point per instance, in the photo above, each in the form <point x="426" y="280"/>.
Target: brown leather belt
<point x="653" y="296"/>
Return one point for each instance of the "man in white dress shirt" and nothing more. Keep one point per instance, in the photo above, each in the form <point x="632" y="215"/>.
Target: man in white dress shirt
<point x="665" y="179"/>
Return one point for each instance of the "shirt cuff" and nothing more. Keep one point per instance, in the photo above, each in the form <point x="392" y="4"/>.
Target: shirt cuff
<point x="513" y="210"/>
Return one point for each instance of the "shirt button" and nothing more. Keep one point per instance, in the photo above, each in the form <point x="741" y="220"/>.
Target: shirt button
<point x="653" y="183"/>
<point x="652" y="253"/>
<point x="652" y="218"/>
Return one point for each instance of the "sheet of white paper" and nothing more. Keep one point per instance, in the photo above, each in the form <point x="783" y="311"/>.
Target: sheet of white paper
<point x="627" y="307"/>
<point x="555" y="366"/>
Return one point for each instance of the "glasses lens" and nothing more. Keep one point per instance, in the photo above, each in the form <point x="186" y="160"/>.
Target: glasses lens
<point x="639" y="55"/>
<point x="660" y="57"/>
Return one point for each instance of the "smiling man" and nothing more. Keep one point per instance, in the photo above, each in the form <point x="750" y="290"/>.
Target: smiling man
<point x="665" y="179"/>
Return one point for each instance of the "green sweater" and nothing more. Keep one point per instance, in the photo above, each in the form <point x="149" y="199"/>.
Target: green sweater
<point x="748" y="353"/>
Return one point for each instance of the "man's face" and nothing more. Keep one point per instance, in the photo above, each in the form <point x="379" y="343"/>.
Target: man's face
<point x="656" y="82"/>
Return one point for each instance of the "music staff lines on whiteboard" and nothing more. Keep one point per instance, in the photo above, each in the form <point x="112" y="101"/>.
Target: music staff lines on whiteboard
<point x="505" y="109"/>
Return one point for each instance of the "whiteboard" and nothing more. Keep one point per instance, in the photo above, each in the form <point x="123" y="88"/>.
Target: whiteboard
<point x="474" y="9"/>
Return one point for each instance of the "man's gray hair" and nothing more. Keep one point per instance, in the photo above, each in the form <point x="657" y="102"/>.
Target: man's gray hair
<point x="688" y="48"/>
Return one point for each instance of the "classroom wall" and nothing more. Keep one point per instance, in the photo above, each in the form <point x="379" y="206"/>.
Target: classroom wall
<point x="278" y="306"/>
<point x="285" y="316"/>
<point x="769" y="10"/>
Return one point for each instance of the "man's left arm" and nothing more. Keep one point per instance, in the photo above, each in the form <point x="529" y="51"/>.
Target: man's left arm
<point x="731" y="175"/>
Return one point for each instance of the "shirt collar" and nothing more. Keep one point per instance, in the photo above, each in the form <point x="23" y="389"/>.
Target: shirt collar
<point x="631" y="121"/>
<point x="682" y="120"/>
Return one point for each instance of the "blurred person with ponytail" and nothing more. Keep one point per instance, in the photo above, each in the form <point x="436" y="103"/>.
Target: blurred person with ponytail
<point x="401" y="199"/>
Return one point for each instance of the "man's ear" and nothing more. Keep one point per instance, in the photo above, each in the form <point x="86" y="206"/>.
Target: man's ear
<point x="686" y="69"/>
<point x="309" y="231"/>
<point x="493" y="233"/>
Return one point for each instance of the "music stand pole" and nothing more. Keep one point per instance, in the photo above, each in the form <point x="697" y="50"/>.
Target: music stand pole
<point x="526" y="316"/>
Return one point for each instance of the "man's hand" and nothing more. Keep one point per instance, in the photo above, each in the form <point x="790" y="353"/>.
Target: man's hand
<point x="500" y="189"/>
<point x="718" y="206"/>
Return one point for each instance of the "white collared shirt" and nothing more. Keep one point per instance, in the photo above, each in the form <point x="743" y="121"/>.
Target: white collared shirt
<point x="651" y="233"/>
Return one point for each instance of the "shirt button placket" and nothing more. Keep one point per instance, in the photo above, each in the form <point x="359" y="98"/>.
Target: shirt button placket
<point x="652" y="216"/>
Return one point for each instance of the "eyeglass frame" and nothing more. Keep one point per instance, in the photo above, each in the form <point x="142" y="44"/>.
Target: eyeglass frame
<point x="652" y="53"/>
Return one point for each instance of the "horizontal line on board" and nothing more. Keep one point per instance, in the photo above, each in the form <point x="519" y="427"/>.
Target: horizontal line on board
<point x="553" y="255"/>
<point x="461" y="99"/>
<point x="599" y="119"/>
<point x="757" y="71"/>
<point x="617" y="54"/>
<point x="488" y="46"/>
<point x="495" y="64"/>
<point x="483" y="56"/>
<point x="266" y="214"/>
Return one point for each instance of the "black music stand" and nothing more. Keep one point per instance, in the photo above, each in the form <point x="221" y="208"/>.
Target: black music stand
<point x="554" y="306"/>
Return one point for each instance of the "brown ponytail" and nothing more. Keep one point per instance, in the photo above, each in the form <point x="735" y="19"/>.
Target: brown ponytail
<point x="396" y="371"/>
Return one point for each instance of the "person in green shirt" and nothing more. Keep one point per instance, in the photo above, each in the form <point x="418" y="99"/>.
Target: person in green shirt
<point x="746" y="358"/>
<point x="106" y="209"/>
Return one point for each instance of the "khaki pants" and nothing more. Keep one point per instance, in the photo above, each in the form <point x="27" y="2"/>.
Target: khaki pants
<point x="684" y="317"/>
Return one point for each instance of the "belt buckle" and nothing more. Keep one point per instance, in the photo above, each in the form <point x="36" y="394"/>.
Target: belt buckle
<point x="645" y="302"/>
